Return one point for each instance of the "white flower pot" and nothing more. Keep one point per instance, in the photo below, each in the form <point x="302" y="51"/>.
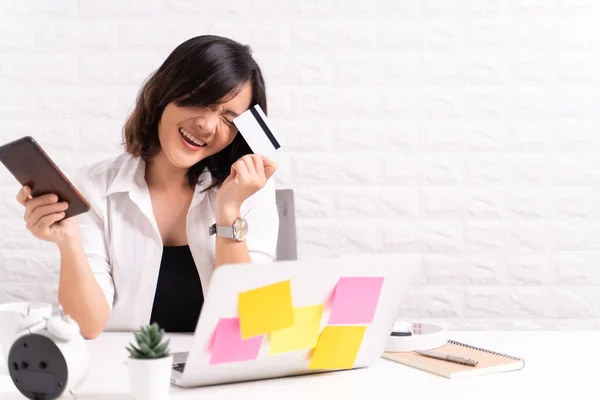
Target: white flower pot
<point x="150" y="379"/>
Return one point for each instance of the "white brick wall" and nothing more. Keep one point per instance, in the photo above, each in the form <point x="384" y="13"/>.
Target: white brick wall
<point x="462" y="130"/>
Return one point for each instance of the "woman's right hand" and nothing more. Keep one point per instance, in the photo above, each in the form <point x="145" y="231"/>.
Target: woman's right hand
<point x="41" y="216"/>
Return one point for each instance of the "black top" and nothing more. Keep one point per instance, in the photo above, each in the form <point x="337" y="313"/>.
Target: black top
<point x="178" y="298"/>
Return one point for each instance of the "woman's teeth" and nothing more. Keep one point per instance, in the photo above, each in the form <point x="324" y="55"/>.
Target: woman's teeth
<point x="191" y="137"/>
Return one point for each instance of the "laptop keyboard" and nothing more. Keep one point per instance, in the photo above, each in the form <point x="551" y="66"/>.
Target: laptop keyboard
<point x="179" y="367"/>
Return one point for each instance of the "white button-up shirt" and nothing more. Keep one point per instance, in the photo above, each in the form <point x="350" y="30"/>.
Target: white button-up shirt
<point x="123" y="244"/>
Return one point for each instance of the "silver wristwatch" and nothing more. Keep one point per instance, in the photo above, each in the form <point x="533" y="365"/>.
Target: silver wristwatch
<point x="238" y="231"/>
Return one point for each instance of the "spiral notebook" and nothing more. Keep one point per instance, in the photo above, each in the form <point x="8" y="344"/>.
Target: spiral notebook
<point x="489" y="362"/>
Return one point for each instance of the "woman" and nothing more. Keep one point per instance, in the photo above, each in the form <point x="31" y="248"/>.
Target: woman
<point x="145" y="251"/>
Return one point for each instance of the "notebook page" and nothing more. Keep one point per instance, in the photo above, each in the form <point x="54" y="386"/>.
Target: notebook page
<point x="488" y="362"/>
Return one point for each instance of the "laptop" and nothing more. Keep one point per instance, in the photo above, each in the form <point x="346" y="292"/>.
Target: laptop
<point x="326" y="289"/>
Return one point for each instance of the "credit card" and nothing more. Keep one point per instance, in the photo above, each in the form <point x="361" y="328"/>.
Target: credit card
<point x="257" y="131"/>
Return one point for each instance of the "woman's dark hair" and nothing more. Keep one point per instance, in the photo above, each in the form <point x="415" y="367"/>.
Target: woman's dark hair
<point x="202" y="71"/>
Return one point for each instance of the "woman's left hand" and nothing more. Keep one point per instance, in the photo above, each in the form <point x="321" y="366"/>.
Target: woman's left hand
<point x="248" y="175"/>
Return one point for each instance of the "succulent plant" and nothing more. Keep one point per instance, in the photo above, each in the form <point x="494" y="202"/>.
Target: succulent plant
<point x="148" y="341"/>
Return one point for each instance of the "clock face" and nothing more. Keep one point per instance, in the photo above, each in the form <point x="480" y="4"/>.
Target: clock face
<point x="241" y="229"/>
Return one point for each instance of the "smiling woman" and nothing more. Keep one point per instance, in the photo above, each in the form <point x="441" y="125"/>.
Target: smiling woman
<point x="203" y="84"/>
<point x="147" y="249"/>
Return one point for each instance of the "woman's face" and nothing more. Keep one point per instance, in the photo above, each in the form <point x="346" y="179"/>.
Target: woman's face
<point x="188" y="134"/>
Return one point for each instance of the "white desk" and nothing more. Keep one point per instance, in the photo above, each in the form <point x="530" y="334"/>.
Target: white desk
<point x="557" y="365"/>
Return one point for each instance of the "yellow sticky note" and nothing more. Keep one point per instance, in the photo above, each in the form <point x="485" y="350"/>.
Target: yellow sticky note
<point x="337" y="347"/>
<point x="265" y="309"/>
<point x="304" y="334"/>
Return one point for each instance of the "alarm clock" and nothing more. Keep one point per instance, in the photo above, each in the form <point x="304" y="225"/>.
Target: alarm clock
<point x="49" y="358"/>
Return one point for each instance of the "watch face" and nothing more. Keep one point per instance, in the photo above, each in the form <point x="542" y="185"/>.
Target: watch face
<point x="241" y="229"/>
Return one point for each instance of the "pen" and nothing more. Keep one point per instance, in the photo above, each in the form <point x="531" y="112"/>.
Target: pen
<point x="447" y="357"/>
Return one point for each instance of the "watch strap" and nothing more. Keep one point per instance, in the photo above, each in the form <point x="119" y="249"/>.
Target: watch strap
<point x="222" y="231"/>
<point x="225" y="231"/>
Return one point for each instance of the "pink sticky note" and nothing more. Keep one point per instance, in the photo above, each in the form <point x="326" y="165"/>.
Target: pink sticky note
<point x="354" y="300"/>
<point x="228" y="346"/>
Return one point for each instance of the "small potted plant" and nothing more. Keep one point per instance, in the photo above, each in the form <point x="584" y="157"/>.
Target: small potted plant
<point x="150" y="363"/>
